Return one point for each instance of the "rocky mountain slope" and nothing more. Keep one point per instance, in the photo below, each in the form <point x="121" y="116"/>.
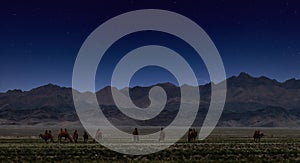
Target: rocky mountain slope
<point x="250" y="102"/>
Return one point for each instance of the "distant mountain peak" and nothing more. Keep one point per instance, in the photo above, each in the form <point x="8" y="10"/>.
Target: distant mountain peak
<point x="166" y="84"/>
<point x="241" y="77"/>
<point x="291" y="84"/>
<point x="291" y="80"/>
<point x="49" y="89"/>
<point x="15" y="91"/>
<point x="244" y="75"/>
<point x="48" y="86"/>
<point x="51" y="85"/>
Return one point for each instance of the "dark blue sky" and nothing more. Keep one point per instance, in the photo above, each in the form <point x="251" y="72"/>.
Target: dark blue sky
<point x="39" y="40"/>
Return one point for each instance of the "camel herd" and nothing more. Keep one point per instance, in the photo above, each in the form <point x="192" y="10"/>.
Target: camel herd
<point x="192" y="135"/>
<point x="257" y="135"/>
<point x="47" y="136"/>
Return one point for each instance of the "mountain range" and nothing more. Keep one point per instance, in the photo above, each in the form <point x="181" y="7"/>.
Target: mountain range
<point x="250" y="102"/>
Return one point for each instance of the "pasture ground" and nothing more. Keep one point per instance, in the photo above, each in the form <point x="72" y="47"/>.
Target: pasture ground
<point x="224" y="144"/>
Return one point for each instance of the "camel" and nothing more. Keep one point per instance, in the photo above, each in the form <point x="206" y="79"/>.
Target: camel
<point x="47" y="136"/>
<point x="64" y="134"/>
<point x="257" y="135"/>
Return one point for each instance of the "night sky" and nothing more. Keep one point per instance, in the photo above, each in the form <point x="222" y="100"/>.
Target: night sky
<point x="40" y="39"/>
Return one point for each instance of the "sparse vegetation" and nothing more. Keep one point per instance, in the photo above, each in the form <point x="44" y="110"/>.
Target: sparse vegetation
<point x="238" y="148"/>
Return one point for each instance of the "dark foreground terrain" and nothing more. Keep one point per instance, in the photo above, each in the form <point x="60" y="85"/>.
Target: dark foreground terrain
<point x="229" y="145"/>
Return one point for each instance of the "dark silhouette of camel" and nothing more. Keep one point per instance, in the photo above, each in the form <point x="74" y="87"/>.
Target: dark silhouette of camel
<point x="257" y="135"/>
<point x="64" y="134"/>
<point x="47" y="136"/>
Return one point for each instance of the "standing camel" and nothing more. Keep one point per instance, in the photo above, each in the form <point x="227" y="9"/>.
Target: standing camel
<point x="64" y="134"/>
<point x="257" y="135"/>
<point x="47" y="136"/>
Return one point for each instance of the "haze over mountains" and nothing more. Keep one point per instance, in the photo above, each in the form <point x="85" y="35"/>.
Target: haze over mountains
<point x="251" y="102"/>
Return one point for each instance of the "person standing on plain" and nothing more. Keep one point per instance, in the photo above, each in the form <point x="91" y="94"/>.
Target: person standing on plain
<point x="98" y="136"/>
<point x="135" y="135"/>
<point x="162" y="135"/>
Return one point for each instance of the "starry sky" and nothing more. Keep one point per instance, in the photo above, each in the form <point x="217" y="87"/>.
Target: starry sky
<point x="39" y="40"/>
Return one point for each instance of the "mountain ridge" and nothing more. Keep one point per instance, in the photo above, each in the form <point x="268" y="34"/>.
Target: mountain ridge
<point x="250" y="97"/>
<point x="242" y="74"/>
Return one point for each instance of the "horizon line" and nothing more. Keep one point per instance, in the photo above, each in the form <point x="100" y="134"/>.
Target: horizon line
<point x="241" y="73"/>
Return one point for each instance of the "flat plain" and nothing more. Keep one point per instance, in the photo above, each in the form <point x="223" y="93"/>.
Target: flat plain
<point x="223" y="145"/>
